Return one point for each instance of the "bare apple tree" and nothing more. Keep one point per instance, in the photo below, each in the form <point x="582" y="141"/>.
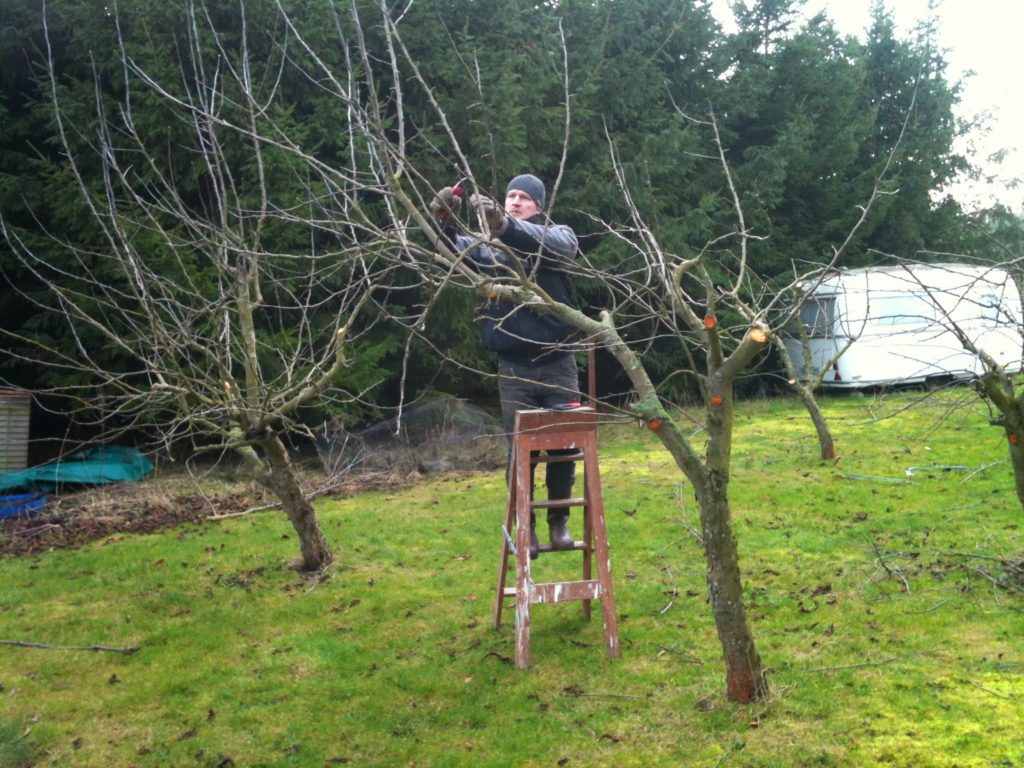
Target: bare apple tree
<point x="786" y="304"/>
<point x="678" y="293"/>
<point x="233" y="290"/>
<point x="982" y="310"/>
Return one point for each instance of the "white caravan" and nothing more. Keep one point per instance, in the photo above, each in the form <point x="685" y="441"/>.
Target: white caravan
<point x="902" y="321"/>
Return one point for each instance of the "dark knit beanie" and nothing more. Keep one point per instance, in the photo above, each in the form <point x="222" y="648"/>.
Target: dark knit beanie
<point x="529" y="184"/>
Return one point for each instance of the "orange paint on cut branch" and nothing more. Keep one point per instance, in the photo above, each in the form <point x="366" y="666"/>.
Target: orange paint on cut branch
<point x="710" y="322"/>
<point x="654" y="425"/>
<point x="717" y="400"/>
<point x="758" y="335"/>
<point x="1013" y="438"/>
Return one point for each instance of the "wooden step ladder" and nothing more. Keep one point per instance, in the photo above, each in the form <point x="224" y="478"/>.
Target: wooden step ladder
<point x="573" y="431"/>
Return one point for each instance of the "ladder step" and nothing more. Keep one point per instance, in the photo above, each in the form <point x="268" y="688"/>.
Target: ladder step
<point x="561" y="591"/>
<point x="577" y="546"/>
<point x="555" y="503"/>
<point x="547" y="458"/>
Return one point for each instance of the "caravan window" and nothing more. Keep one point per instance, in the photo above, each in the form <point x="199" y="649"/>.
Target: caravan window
<point x="818" y="315"/>
<point x="903" y="310"/>
<point x="992" y="311"/>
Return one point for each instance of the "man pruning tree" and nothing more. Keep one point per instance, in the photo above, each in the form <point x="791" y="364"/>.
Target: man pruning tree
<point x="536" y="367"/>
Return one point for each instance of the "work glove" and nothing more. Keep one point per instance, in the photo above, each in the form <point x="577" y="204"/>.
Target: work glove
<point x="446" y="205"/>
<point x="491" y="212"/>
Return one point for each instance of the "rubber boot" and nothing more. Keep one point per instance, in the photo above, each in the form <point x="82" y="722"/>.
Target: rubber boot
<point x="534" y="541"/>
<point x="559" y="533"/>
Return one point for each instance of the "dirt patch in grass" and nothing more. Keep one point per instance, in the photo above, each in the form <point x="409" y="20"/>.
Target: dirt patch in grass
<point x="439" y="436"/>
<point x="71" y="520"/>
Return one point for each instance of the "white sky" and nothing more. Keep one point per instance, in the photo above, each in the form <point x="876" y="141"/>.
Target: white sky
<point x="983" y="36"/>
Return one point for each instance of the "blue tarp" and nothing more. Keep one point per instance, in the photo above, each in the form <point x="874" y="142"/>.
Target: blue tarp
<point x="22" y="505"/>
<point x="109" y="464"/>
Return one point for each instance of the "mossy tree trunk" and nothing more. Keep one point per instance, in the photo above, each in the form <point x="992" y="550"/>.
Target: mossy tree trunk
<point x="998" y="388"/>
<point x="804" y="383"/>
<point x="826" y="443"/>
<point x="745" y="675"/>
<point x="283" y="481"/>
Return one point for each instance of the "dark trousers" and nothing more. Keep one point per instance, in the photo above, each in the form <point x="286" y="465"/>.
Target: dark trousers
<point x="551" y="384"/>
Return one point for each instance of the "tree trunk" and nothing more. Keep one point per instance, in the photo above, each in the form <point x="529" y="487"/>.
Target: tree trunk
<point x="316" y="554"/>
<point x="1017" y="462"/>
<point x="745" y="677"/>
<point x="825" y="441"/>
<point x="999" y="389"/>
<point x="806" y="391"/>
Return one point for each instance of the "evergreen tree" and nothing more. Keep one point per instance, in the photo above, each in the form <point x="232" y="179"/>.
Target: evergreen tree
<point x="912" y="103"/>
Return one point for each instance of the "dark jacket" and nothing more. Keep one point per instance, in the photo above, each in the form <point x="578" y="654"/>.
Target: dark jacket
<point x="546" y="253"/>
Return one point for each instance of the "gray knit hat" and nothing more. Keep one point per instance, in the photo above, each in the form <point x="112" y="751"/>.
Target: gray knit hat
<point x="531" y="185"/>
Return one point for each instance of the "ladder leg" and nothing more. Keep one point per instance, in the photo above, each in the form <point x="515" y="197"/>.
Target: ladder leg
<point x="510" y="516"/>
<point x="604" y="572"/>
<point x="523" y="584"/>
<point x="588" y="524"/>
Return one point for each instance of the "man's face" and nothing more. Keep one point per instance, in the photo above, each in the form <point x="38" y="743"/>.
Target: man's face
<point x="520" y="205"/>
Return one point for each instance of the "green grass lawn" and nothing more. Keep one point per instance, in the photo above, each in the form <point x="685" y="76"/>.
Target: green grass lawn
<point x="884" y="606"/>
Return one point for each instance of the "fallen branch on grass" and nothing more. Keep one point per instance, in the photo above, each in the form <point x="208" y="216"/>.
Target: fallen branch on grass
<point x="243" y="513"/>
<point x="983" y="468"/>
<point x="49" y="647"/>
<point x="894" y="571"/>
<point x="614" y="696"/>
<point x="993" y="693"/>
<point x="322" y="491"/>
<point x="688" y="657"/>
<point x="893" y="480"/>
<point x="1014" y="570"/>
<point x="27" y="532"/>
<point x="974" y="555"/>
<point x="857" y="666"/>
